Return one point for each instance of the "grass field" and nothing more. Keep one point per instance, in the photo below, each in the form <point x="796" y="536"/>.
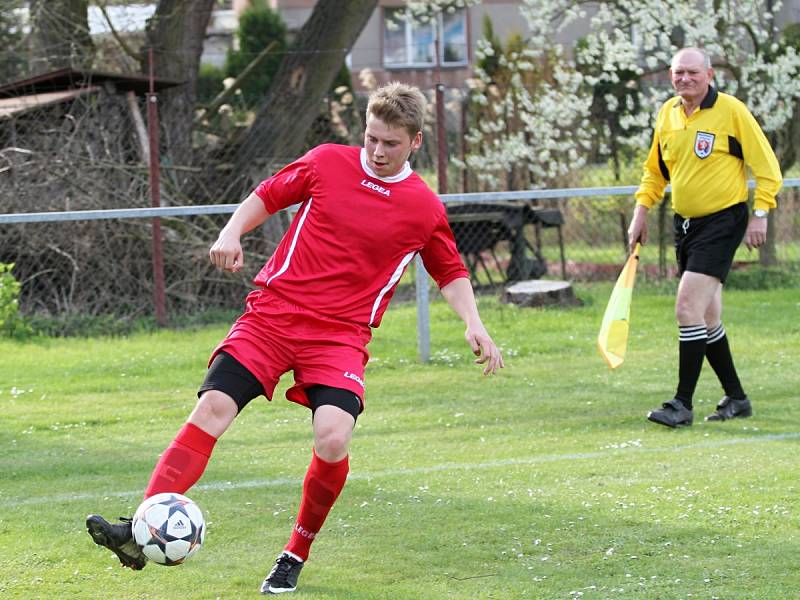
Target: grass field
<point x="544" y="482"/>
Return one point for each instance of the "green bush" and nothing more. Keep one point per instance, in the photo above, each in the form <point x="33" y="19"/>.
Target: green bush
<point x="757" y="277"/>
<point x="209" y="83"/>
<point x="12" y="324"/>
<point x="13" y="66"/>
<point x="111" y="326"/>
<point x="259" y="25"/>
<point x="87" y="326"/>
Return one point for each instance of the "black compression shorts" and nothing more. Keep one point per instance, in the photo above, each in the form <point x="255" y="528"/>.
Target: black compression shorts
<point x="228" y="375"/>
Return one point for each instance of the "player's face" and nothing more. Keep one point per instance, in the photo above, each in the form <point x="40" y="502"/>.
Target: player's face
<point x="690" y="76"/>
<point x="388" y="148"/>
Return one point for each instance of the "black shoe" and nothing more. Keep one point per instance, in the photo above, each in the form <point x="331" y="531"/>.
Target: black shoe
<point x="729" y="408"/>
<point x="283" y="576"/>
<point x="672" y="414"/>
<point x="118" y="538"/>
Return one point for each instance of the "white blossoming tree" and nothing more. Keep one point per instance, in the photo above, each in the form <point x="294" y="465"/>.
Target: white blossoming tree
<point x="423" y="10"/>
<point x="752" y="59"/>
<point x="528" y="118"/>
<point x="608" y="86"/>
<point x="631" y="41"/>
<point x="610" y="73"/>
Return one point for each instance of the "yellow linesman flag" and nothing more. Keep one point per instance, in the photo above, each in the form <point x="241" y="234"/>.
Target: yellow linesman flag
<point x="612" y="341"/>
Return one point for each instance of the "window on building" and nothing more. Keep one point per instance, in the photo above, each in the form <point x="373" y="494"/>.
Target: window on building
<point x="412" y="44"/>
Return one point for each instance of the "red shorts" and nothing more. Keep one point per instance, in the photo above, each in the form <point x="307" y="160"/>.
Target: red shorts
<point x="274" y="336"/>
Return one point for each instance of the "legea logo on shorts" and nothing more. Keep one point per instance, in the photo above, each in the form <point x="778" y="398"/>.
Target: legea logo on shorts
<point x="354" y="377"/>
<point x="376" y="187"/>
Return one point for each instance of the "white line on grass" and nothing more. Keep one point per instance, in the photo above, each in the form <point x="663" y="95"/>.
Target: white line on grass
<point x="530" y="460"/>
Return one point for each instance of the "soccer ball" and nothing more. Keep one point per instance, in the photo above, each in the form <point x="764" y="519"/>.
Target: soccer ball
<point x="169" y="528"/>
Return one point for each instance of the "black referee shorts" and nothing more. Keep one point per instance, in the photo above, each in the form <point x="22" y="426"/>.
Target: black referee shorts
<point x="708" y="244"/>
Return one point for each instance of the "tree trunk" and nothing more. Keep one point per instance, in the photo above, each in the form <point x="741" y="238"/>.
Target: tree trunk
<point x="540" y="292"/>
<point x="59" y="35"/>
<point x="176" y="33"/>
<point x="295" y="97"/>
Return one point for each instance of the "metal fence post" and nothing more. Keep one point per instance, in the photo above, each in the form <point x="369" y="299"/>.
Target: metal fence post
<point x="441" y="126"/>
<point x="159" y="300"/>
<point x="441" y="138"/>
<point x="423" y="311"/>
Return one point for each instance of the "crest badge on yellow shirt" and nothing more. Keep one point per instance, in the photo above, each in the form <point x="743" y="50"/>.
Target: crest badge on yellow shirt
<point x="703" y="144"/>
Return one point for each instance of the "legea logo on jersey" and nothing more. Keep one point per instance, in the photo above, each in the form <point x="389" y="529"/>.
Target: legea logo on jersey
<point x="376" y="187"/>
<point x="354" y="377"/>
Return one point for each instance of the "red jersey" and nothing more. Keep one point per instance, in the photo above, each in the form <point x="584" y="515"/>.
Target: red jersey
<point x="354" y="234"/>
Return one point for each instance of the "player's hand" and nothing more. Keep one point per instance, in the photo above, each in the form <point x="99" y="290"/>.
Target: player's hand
<point x="226" y="253"/>
<point x="484" y="348"/>
<point x="756" y="233"/>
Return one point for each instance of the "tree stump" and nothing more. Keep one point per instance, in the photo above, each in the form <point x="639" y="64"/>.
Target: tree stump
<point x="540" y="292"/>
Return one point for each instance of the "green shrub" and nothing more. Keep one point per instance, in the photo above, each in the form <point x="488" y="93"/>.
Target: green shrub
<point x="112" y="326"/>
<point x="259" y="25"/>
<point x="209" y="83"/>
<point x="12" y="324"/>
<point x="13" y="66"/>
<point x="86" y="326"/>
<point x="757" y="277"/>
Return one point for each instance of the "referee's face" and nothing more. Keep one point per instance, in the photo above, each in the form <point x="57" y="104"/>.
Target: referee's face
<point x="690" y="76"/>
<point x="388" y="148"/>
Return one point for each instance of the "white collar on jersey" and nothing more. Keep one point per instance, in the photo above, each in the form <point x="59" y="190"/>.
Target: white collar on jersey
<point x="403" y="174"/>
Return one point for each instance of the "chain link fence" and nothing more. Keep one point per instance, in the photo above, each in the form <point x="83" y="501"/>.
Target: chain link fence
<point x="88" y="151"/>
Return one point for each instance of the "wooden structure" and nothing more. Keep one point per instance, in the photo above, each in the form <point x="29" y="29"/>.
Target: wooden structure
<point x="65" y="85"/>
<point x="480" y="226"/>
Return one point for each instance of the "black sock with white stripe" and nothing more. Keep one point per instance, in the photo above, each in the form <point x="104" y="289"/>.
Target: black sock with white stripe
<point x="718" y="353"/>
<point x="692" y="351"/>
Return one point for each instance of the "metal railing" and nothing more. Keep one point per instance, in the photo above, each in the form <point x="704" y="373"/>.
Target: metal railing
<point x="422" y="281"/>
<point x="215" y="209"/>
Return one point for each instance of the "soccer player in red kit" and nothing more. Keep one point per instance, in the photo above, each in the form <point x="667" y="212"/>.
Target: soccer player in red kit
<point x="364" y="215"/>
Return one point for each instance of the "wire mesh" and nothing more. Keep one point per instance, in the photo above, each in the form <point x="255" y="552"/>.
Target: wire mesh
<point x="86" y="153"/>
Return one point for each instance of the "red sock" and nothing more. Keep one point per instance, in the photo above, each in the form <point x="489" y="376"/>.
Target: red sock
<point x="321" y="487"/>
<point x="183" y="462"/>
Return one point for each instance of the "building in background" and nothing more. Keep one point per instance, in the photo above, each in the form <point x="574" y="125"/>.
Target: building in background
<point x="402" y="51"/>
<point x="394" y="48"/>
<point x="391" y="48"/>
<point x="398" y="50"/>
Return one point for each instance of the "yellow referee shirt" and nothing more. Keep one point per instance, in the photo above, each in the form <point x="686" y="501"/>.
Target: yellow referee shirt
<point x="703" y="157"/>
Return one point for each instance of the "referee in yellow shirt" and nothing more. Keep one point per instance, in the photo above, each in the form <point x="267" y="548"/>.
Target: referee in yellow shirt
<point x="701" y="143"/>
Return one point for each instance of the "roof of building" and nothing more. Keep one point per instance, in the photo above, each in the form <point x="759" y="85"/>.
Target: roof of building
<point x="20" y="104"/>
<point x="70" y="79"/>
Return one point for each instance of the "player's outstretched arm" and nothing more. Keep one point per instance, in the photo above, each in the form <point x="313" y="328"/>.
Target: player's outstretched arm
<point x="460" y="297"/>
<point x="226" y="253"/>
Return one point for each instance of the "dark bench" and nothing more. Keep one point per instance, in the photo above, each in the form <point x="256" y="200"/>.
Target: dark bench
<point x="480" y="226"/>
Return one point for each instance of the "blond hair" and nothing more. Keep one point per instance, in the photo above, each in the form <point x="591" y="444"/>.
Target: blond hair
<point x="399" y="105"/>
